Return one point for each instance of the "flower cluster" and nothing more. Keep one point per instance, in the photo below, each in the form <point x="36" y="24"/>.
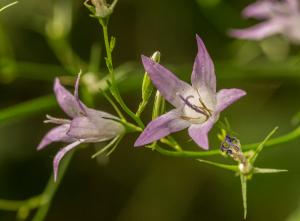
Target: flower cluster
<point x="197" y="107"/>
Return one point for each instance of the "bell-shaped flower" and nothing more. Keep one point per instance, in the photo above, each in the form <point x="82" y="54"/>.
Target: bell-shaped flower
<point x="87" y="125"/>
<point x="280" y="17"/>
<point x="197" y="106"/>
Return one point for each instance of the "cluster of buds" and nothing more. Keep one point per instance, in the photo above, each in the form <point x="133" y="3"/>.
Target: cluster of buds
<point x="100" y="8"/>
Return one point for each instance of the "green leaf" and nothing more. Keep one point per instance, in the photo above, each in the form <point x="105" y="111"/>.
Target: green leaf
<point x="220" y="165"/>
<point x="261" y="146"/>
<point x="244" y="193"/>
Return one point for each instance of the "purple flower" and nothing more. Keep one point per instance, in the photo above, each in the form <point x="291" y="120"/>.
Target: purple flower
<point x="281" y="17"/>
<point x="197" y="107"/>
<point x="86" y="125"/>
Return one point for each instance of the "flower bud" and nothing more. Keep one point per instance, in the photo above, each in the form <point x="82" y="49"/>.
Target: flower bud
<point x="100" y="8"/>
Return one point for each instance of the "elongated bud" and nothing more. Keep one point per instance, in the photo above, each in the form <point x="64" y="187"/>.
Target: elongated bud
<point x="100" y="8"/>
<point x="147" y="87"/>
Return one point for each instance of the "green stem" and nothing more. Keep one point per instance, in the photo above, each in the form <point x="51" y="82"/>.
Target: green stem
<point x="51" y="189"/>
<point x="11" y="205"/>
<point x="196" y="154"/>
<point x="27" y="108"/>
<point x="114" y="88"/>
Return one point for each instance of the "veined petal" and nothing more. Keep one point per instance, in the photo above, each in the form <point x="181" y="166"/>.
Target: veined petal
<point x="56" y="134"/>
<point x="66" y="100"/>
<point x="199" y="133"/>
<point x="58" y="157"/>
<point x="226" y="97"/>
<point x="94" y="131"/>
<point x="165" y="81"/>
<point x="203" y="75"/>
<point x="259" y="31"/>
<point x="161" y="127"/>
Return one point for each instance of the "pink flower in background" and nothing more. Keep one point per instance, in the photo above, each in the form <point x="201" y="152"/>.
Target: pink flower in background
<point x="197" y="106"/>
<point x="86" y="125"/>
<point x="280" y="17"/>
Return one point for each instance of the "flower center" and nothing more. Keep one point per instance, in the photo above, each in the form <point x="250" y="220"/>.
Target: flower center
<point x="194" y="109"/>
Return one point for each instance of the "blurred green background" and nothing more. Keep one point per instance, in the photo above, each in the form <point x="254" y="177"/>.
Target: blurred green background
<point x="43" y="39"/>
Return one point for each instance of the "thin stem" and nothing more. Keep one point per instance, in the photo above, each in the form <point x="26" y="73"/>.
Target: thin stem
<point x="51" y="189"/>
<point x="11" y="205"/>
<point x="114" y="89"/>
<point x="196" y="154"/>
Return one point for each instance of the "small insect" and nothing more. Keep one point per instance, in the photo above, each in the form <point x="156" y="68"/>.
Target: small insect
<point x="232" y="147"/>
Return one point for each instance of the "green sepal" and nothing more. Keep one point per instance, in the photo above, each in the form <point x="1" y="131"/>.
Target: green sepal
<point x="268" y="170"/>
<point x="221" y="165"/>
<point x="261" y="146"/>
<point x="244" y="193"/>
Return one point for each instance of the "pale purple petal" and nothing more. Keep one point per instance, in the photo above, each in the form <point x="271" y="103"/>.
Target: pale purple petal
<point x="161" y="127"/>
<point x="259" y="10"/>
<point x="165" y="81"/>
<point x="199" y="133"/>
<point x="66" y="100"/>
<point x="259" y="31"/>
<point x="56" y="134"/>
<point x="293" y="5"/>
<point x="226" y="97"/>
<point x="94" y="131"/>
<point x="203" y="75"/>
<point x="58" y="157"/>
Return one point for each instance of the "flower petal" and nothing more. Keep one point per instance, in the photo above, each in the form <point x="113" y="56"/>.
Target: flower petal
<point x="66" y="100"/>
<point x="259" y="10"/>
<point x="199" y="133"/>
<point x="293" y="5"/>
<point x="61" y="154"/>
<point x="96" y="130"/>
<point x="226" y="97"/>
<point x="161" y="127"/>
<point x="165" y="81"/>
<point x="259" y="31"/>
<point x="203" y="75"/>
<point x="56" y="134"/>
